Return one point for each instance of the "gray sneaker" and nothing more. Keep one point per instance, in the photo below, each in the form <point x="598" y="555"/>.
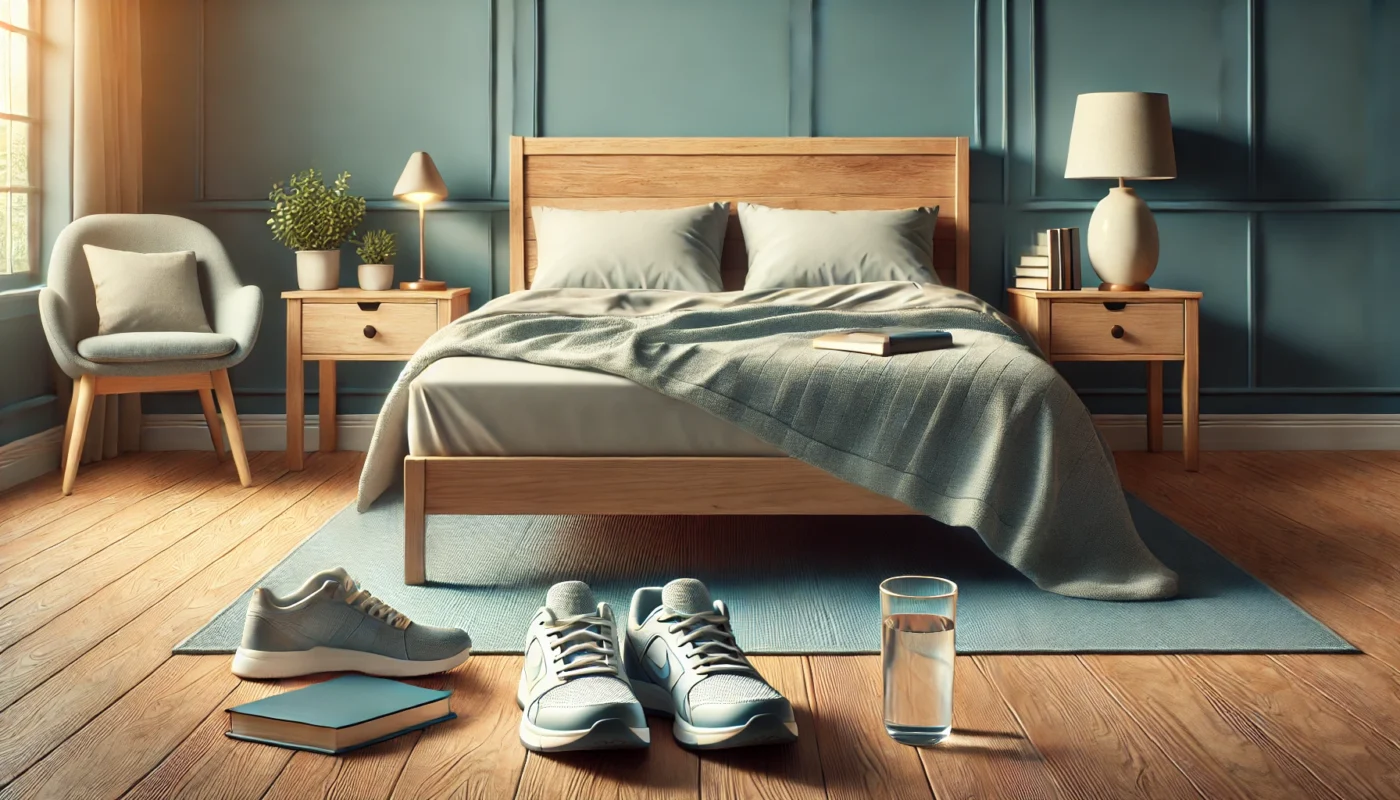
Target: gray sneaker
<point x="331" y="624"/>
<point x="572" y="693"/>
<point x="682" y="659"/>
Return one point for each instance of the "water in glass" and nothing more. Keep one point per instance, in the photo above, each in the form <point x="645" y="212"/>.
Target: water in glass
<point x="918" y="657"/>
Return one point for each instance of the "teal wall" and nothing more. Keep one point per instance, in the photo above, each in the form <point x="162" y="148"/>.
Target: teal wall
<point x="1285" y="213"/>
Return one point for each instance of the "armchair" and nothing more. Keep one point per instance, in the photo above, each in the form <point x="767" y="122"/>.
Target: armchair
<point x="147" y="362"/>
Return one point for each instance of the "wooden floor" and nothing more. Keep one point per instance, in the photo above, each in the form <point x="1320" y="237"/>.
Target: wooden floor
<point x="96" y="588"/>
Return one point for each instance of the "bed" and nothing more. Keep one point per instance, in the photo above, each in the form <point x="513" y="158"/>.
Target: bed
<point x="686" y="464"/>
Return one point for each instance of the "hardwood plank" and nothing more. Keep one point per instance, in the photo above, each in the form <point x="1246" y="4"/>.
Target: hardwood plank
<point x="44" y="652"/>
<point x="791" y="771"/>
<point x="1093" y="747"/>
<point x="1351" y="758"/>
<point x="204" y="502"/>
<point x="48" y="713"/>
<point x="858" y="758"/>
<point x="1365" y="687"/>
<point x="1320" y="494"/>
<point x="111" y="487"/>
<point x="478" y="754"/>
<point x="95" y="526"/>
<point x="52" y="561"/>
<point x="1224" y="754"/>
<point x="988" y="754"/>
<point x="209" y="764"/>
<point x="368" y="775"/>
<point x="34" y="493"/>
<point x="663" y="770"/>
<point x="130" y="737"/>
<point x="1254" y="538"/>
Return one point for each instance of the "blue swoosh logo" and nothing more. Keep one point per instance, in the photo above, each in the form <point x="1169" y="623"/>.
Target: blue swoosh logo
<point x="662" y="671"/>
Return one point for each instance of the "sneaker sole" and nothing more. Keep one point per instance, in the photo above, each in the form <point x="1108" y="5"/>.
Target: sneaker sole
<point x="759" y="730"/>
<point x="266" y="665"/>
<point x="605" y="734"/>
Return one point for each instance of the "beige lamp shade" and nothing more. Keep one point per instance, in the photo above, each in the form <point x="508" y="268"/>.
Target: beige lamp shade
<point x="1121" y="135"/>
<point x="420" y="182"/>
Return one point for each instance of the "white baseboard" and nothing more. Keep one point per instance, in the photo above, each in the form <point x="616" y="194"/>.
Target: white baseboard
<point x="30" y="457"/>
<point x="1261" y="431"/>
<point x="1123" y="432"/>
<point x="260" y="432"/>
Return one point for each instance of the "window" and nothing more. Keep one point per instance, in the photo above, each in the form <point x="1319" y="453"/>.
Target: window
<point x="19" y="50"/>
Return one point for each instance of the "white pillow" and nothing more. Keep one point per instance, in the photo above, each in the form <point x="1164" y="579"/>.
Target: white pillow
<point x="790" y="248"/>
<point x="146" y="292"/>
<point x="674" y="248"/>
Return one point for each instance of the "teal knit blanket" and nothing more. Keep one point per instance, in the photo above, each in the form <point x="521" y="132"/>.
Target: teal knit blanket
<point x="984" y="435"/>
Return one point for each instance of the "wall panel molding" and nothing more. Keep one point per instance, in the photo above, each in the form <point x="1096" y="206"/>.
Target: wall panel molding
<point x="802" y="41"/>
<point x="203" y="202"/>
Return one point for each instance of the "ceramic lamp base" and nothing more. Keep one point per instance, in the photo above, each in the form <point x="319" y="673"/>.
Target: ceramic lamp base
<point x="423" y="286"/>
<point x="1123" y="243"/>
<point x="1123" y="287"/>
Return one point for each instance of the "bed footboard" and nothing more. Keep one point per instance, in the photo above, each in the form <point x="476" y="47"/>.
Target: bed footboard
<point x="620" y="485"/>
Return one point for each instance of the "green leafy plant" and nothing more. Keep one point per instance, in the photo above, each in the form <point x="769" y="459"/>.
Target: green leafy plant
<point x="377" y="247"/>
<point x="309" y="215"/>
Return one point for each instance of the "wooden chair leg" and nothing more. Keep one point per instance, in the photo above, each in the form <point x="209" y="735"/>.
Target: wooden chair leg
<point x="68" y="426"/>
<point x="211" y="417"/>
<point x="235" y="432"/>
<point x="83" y="396"/>
<point x="415" y="523"/>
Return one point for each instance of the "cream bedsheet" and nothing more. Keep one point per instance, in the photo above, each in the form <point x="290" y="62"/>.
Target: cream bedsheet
<point x="471" y="406"/>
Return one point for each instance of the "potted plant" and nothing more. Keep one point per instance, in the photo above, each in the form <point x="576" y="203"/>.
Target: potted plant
<point x="376" y="251"/>
<point x="314" y="220"/>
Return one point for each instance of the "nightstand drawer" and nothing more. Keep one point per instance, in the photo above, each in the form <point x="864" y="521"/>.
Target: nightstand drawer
<point x="1132" y="329"/>
<point x="390" y="331"/>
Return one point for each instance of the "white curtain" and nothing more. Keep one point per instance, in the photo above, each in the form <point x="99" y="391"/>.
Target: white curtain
<point x="107" y="163"/>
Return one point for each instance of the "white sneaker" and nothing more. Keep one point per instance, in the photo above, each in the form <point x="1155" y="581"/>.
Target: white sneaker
<point x="682" y="660"/>
<point x="572" y="694"/>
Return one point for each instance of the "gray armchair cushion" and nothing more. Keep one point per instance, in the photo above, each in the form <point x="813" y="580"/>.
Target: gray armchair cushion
<point x="138" y="348"/>
<point x="68" y="305"/>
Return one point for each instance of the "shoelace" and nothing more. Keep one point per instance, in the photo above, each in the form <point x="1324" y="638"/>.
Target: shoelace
<point x="583" y="645"/>
<point x="713" y="647"/>
<point x="368" y="603"/>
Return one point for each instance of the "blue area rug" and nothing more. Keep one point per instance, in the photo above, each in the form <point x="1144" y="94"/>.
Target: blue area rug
<point x="793" y="584"/>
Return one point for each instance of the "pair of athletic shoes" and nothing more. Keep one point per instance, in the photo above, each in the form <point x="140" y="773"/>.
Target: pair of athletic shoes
<point x="587" y="684"/>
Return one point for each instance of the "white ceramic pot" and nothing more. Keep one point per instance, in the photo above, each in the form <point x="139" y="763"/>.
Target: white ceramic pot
<point x="318" y="270"/>
<point x="1123" y="242"/>
<point x="376" y="277"/>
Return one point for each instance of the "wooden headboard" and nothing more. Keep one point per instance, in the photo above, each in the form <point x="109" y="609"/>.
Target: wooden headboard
<point x="816" y="173"/>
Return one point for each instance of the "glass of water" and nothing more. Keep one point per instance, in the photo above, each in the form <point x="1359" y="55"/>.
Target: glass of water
<point x="917" y="620"/>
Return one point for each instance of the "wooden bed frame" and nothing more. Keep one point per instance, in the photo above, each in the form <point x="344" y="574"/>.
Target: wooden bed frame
<point x="598" y="174"/>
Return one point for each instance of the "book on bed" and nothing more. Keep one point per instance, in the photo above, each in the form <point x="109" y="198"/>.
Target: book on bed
<point x="340" y="715"/>
<point x="885" y="343"/>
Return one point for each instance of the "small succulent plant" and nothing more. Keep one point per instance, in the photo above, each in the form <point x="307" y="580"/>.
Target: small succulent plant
<point x="309" y="215"/>
<point x="377" y="247"/>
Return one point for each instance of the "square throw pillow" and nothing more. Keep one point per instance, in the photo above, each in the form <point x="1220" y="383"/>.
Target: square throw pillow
<point x="791" y="248"/>
<point x="146" y="292"/>
<point x="673" y="248"/>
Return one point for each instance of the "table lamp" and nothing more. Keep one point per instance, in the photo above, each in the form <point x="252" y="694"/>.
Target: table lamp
<point x="1122" y="135"/>
<point x="421" y="183"/>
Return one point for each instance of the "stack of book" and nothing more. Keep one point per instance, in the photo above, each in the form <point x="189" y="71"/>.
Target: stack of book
<point x="1054" y="263"/>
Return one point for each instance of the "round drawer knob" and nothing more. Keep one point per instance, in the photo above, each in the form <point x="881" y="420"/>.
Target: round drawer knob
<point x="1116" y="331"/>
<point x="370" y="332"/>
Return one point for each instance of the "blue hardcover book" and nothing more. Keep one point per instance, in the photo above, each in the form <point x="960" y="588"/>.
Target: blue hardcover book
<point x="340" y="715"/>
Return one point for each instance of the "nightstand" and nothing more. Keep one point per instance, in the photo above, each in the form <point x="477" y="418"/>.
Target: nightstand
<point x="1154" y="326"/>
<point x="353" y="325"/>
